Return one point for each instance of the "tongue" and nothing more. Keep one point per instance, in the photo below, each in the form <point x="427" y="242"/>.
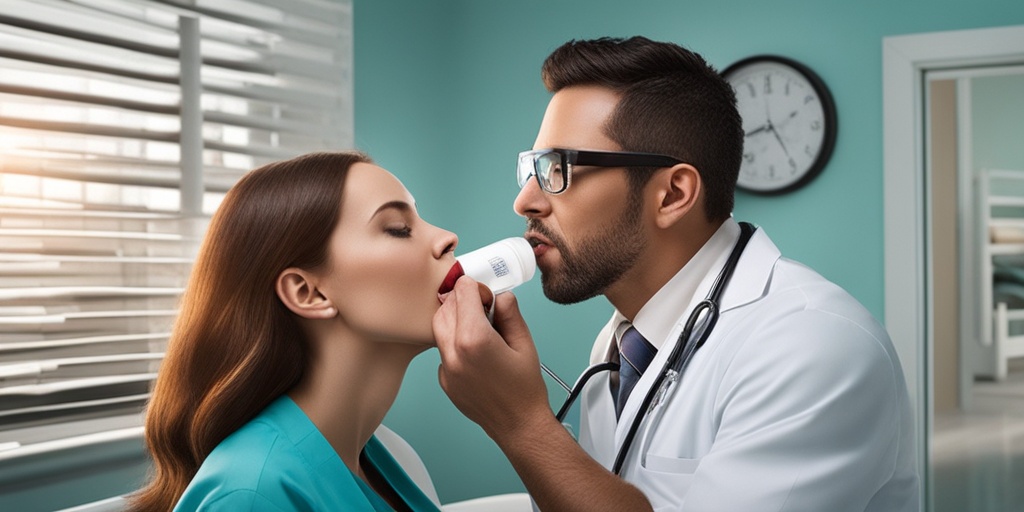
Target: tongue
<point x="449" y="280"/>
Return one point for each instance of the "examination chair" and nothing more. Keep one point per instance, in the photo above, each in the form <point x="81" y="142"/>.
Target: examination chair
<point x="410" y="461"/>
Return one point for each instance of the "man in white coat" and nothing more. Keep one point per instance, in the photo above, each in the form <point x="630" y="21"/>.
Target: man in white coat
<point x="796" y="401"/>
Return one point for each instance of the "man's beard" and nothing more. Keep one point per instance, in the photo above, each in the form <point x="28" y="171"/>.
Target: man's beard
<point x="596" y="262"/>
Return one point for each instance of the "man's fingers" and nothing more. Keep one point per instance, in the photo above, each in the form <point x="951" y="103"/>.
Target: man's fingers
<point x="486" y="296"/>
<point x="444" y="322"/>
<point x="506" y="309"/>
<point x="467" y="286"/>
<point x="441" y="378"/>
<point x="510" y="324"/>
<point x="460" y="324"/>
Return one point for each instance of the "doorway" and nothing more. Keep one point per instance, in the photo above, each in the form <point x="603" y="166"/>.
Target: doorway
<point x="914" y="305"/>
<point x="975" y="177"/>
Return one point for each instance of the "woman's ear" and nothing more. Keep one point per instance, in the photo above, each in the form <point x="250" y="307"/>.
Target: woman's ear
<point x="297" y="290"/>
<point x="678" y="191"/>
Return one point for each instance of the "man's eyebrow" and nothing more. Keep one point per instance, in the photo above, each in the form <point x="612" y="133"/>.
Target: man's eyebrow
<point x="397" y="205"/>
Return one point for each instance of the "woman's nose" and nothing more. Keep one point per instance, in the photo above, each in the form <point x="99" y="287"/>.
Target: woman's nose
<point x="446" y="242"/>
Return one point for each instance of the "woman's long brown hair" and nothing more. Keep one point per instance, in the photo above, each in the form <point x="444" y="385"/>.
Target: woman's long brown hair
<point x="235" y="347"/>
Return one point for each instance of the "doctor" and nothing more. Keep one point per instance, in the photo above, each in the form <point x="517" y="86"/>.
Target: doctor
<point x="796" y="400"/>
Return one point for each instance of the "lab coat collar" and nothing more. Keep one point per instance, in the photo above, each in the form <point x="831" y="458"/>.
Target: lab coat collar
<point x="749" y="283"/>
<point x="656" y="318"/>
<point x="753" y="273"/>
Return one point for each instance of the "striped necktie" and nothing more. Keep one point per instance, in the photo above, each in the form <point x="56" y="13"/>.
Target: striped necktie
<point x="635" y="354"/>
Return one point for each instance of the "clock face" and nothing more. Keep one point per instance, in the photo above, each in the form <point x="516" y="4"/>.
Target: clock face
<point x="789" y="123"/>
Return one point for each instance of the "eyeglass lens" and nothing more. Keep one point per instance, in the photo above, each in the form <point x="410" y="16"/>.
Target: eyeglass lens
<point x="546" y="166"/>
<point x="550" y="172"/>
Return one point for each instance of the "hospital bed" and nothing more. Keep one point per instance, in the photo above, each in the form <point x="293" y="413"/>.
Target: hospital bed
<point x="1000" y="204"/>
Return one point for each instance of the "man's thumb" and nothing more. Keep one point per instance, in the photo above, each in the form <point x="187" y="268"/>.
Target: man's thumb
<point x="510" y="324"/>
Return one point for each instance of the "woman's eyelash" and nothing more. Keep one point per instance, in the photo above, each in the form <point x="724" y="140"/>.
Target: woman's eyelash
<point x="402" y="232"/>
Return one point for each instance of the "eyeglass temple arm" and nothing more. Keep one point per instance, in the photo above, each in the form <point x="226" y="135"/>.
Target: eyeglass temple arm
<point x="621" y="159"/>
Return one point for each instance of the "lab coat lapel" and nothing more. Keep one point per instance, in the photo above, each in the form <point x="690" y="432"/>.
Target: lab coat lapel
<point x="748" y="283"/>
<point x="753" y="273"/>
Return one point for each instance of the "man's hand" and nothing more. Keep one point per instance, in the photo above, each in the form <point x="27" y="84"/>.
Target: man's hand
<point x="491" y="373"/>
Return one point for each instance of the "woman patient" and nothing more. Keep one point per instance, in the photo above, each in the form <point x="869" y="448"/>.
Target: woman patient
<point x="314" y="289"/>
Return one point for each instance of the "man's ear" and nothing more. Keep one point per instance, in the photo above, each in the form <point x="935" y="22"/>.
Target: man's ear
<point x="678" y="190"/>
<point x="297" y="290"/>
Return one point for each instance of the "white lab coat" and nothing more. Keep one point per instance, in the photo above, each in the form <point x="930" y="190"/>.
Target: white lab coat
<point x="797" y="402"/>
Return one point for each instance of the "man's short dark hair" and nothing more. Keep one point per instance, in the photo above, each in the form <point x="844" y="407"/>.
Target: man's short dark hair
<point x="672" y="102"/>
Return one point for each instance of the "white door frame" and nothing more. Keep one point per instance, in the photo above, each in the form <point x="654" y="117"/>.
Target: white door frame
<point x="905" y="59"/>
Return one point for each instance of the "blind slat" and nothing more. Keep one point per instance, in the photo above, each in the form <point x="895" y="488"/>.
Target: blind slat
<point x="85" y="291"/>
<point x="73" y="342"/>
<point x="90" y="129"/>
<point x="66" y="317"/>
<point x="72" y="384"/>
<point x="71" y="64"/>
<point x="89" y="99"/>
<point x="7" y="18"/>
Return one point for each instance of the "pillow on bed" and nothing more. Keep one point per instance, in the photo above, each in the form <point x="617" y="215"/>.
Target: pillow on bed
<point x="1005" y="273"/>
<point x="1010" y="293"/>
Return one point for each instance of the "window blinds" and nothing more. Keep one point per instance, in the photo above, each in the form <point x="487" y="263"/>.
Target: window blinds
<point x="115" y="116"/>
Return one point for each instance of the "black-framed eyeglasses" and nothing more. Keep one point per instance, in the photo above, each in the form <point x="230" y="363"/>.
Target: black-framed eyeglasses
<point x="553" y="166"/>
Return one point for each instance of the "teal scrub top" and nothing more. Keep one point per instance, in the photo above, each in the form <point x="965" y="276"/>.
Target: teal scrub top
<point x="280" y="461"/>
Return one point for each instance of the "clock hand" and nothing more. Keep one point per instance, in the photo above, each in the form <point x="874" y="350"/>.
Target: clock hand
<point x="759" y="129"/>
<point x="790" y="116"/>
<point x="776" y="134"/>
<point x="771" y="127"/>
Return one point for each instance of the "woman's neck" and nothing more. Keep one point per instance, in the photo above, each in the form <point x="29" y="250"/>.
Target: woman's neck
<point x="348" y="387"/>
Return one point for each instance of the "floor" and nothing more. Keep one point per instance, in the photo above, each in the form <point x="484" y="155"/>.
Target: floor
<point x="978" y="457"/>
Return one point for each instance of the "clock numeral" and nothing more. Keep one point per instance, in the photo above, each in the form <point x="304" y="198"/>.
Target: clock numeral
<point x="771" y="171"/>
<point x="816" y="125"/>
<point x="792" y="165"/>
<point x="753" y="92"/>
<point x="768" y="84"/>
<point x="808" y="150"/>
<point x="787" y="88"/>
<point x="749" y="157"/>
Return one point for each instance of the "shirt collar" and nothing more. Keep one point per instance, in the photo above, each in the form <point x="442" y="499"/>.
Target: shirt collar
<point x="659" y="315"/>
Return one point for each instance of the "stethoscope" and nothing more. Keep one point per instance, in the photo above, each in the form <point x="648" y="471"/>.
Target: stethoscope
<point x="695" y="332"/>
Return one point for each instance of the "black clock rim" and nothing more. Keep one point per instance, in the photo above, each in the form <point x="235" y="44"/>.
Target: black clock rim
<point x="828" y="107"/>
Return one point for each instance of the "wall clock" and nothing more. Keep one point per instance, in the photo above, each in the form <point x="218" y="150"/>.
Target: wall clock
<point x="789" y="123"/>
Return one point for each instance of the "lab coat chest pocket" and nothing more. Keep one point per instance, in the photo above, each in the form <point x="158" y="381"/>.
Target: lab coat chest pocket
<point x="666" y="469"/>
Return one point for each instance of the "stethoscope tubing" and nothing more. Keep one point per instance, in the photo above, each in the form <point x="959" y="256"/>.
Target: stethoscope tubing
<point x="685" y="346"/>
<point x="577" y="388"/>
<point x="682" y="351"/>
<point x="674" y="367"/>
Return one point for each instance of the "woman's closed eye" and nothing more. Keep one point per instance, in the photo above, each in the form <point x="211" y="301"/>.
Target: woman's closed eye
<point x="396" y="218"/>
<point x="399" y="231"/>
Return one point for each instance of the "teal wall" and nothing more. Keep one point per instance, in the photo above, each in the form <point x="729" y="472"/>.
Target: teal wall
<point x="447" y="92"/>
